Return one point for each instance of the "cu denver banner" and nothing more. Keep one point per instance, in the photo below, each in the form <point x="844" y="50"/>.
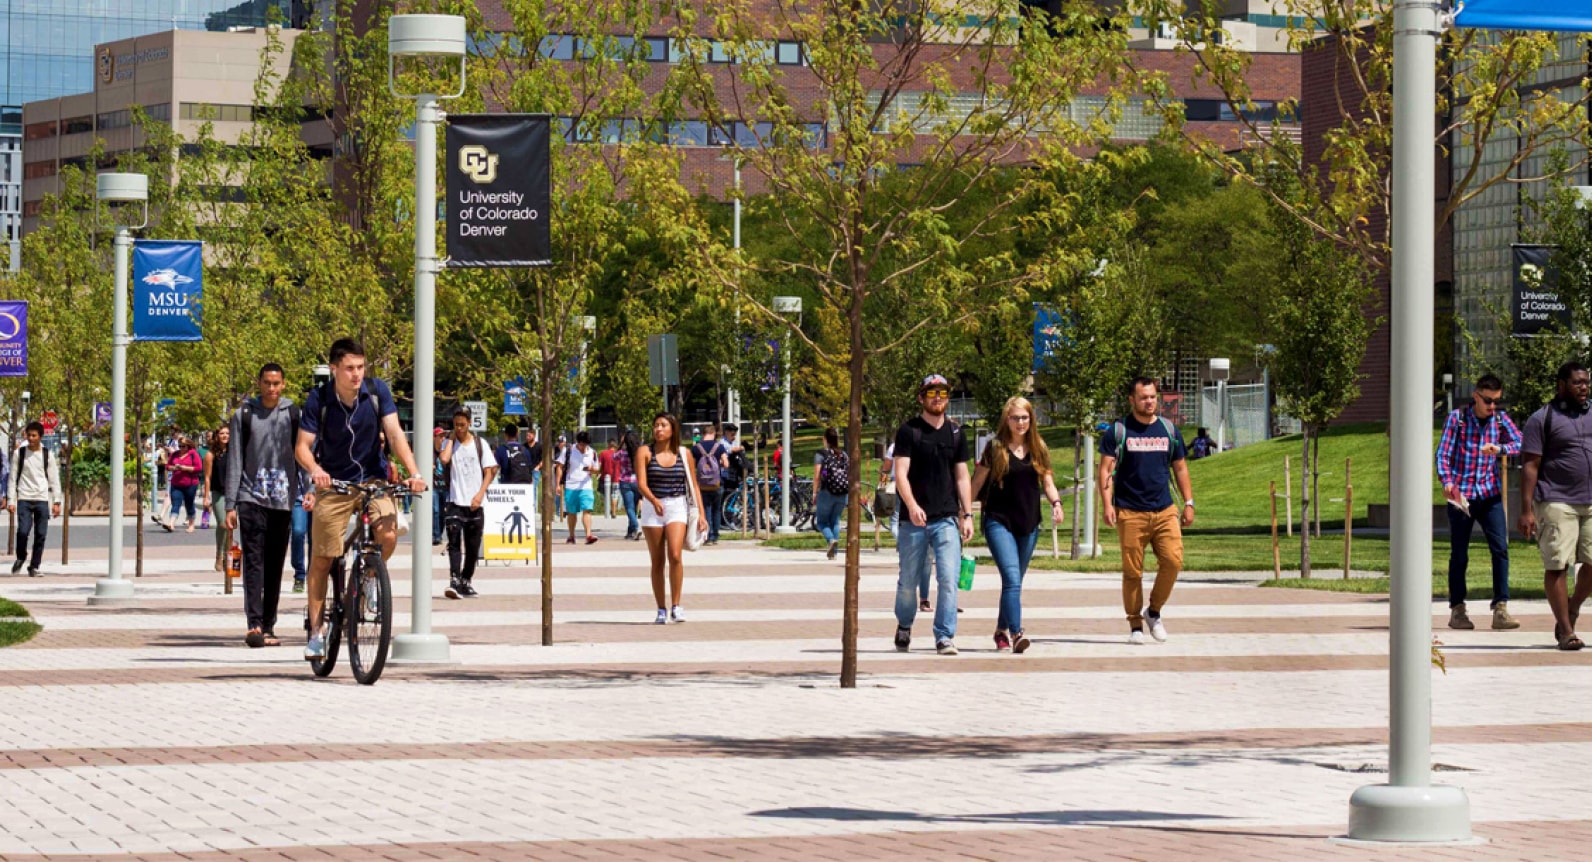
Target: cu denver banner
<point x="498" y="190"/>
<point x="167" y="282"/>
<point x="13" y="339"/>
<point x="1559" y="15"/>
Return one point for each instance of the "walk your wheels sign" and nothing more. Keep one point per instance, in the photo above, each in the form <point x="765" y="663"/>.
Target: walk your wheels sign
<point x="510" y="529"/>
<point x="498" y="190"/>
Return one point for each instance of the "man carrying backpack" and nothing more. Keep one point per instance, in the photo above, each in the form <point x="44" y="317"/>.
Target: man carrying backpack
<point x="516" y="466"/>
<point x="34" y="493"/>
<point x="470" y="467"/>
<point x="262" y="484"/>
<point x="712" y="457"/>
<point x="1142" y="452"/>
<point x="576" y="467"/>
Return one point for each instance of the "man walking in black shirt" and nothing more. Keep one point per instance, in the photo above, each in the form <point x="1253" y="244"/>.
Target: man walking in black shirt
<point x="935" y="491"/>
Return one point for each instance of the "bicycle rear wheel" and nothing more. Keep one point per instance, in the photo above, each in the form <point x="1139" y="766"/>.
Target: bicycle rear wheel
<point x="369" y="612"/>
<point x="334" y="624"/>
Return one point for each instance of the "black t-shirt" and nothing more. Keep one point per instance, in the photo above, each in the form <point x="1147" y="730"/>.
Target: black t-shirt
<point x="931" y="473"/>
<point x="534" y="452"/>
<point x="1014" y="503"/>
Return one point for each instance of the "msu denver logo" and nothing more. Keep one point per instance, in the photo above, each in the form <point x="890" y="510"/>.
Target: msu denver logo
<point x="167" y="278"/>
<point x="477" y="163"/>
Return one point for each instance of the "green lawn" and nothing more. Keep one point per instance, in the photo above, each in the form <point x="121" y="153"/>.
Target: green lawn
<point x="15" y="632"/>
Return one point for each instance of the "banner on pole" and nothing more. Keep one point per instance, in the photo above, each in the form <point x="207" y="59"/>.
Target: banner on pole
<point x="514" y="394"/>
<point x="499" y="178"/>
<point x="168" y="281"/>
<point x="1535" y="301"/>
<point x="510" y="515"/>
<point x="102" y="413"/>
<point x="1555" y="15"/>
<point x="1049" y="329"/>
<point x="13" y="338"/>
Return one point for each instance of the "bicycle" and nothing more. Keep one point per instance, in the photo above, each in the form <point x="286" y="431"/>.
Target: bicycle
<point x="365" y="608"/>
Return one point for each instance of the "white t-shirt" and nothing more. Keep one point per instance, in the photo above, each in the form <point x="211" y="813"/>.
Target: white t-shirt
<point x="466" y="472"/>
<point x="575" y="463"/>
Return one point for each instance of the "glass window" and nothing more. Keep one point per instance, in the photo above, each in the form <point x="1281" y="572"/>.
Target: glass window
<point x="655" y="49"/>
<point x="558" y="47"/>
<point x="790" y="54"/>
<point x="37" y="131"/>
<point x="689" y="133"/>
<point x="752" y="134"/>
<point x="720" y="136"/>
<point x="718" y="53"/>
<point x="77" y="125"/>
<point x="816" y="134"/>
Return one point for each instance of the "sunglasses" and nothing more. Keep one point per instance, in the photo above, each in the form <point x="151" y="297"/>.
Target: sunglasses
<point x="937" y="392"/>
<point x="1491" y="402"/>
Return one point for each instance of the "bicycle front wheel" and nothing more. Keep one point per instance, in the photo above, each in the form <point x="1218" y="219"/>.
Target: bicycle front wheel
<point x="333" y="613"/>
<point x="369" y="614"/>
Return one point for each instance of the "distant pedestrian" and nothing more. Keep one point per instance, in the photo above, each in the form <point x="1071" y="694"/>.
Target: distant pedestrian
<point x="932" y="480"/>
<point x="216" y="488"/>
<point x="1468" y="468"/>
<point x="516" y="466"/>
<point x="262" y="481"/>
<point x="1011" y="477"/>
<point x="664" y="476"/>
<point x="576" y="472"/>
<point x="1202" y="446"/>
<point x="1557" y="451"/>
<point x="187" y="477"/>
<point x="301" y="538"/>
<point x="1139" y="455"/>
<point x="712" y="457"/>
<point x="34" y="496"/>
<point x="605" y="476"/>
<point x="559" y="449"/>
<point x="470" y="468"/>
<point x="831" y="488"/>
<point x="439" y="483"/>
<point x="629" y="492"/>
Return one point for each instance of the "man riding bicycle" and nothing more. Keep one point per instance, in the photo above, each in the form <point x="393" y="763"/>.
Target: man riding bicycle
<point x="340" y="432"/>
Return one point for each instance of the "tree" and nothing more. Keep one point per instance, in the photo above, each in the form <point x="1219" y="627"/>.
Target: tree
<point x="890" y="84"/>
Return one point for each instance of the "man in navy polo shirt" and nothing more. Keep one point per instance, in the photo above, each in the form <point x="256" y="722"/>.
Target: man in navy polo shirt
<point x="1139" y="455"/>
<point x="347" y="417"/>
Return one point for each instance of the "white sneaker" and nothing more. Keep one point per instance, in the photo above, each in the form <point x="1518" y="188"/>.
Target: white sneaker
<point x="1157" y="628"/>
<point x="316" y="648"/>
<point x="677" y="614"/>
<point x="1136" y="638"/>
<point x="663" y="617"/>
<point x="946" y="647"/>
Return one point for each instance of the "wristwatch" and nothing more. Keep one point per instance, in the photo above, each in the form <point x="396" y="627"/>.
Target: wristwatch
<point x="967" y="514"/>
<point x="1189" y="503"/>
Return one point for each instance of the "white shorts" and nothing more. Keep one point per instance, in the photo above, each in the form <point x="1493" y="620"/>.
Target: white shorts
<point x="674" y="512"/>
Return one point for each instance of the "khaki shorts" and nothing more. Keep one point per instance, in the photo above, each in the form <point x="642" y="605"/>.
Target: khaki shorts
<point x="329" y="519"/>
<point x="1564" y="534"/>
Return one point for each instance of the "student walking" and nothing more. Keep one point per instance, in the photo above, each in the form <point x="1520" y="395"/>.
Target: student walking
<point x="664" y="475"/>
<point x="576" y="469"/>
<point x="1474" y="437"/>
<point x="470" y="468"/>
<point x="1011" y="476"/>
<point x="931" y="455"/>
<point x="34" y="496"/>
<point x="605" y="476"/>
<point x="831" y="488"/>
<point x="216" y="488"/>
<point x="1557" y="450"/>
<point x="515" y="464"/>
<point x="187" y="469"/>
<point x="629" y="492"/>
<point x="1142" y="451"/>
<point x="711" y="455"/>
<point x="262" y="481"/>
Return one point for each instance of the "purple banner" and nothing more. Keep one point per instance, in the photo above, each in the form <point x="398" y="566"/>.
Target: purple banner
<point x="13" y="338"/>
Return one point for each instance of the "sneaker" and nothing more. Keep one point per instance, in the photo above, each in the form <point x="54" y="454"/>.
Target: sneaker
<point x="32" y="572"/>
<point x="1502" y="621"/>
<point x="1019" y="643"/>
<point x="1136" y="638"/>
<point x="591" y="540"/>
<point x="677" y="614"/>
<point x="1157" y="628"/>
<point x="570" y="540"/>
<point x="833" y="547"/>
<point x="17" y="566"/>
<point x="923" y="605"/>
<point x="1002" y="642"/>
<point x="467" y="589"/>
<point x="298" y="585"/>
<point x="316" y="648"/>
<point x="903" y="639"/>
<point x="945" y="647"/>
<point x="663" y="617"/>
<point x="1458" y="619"/>
<point x="452" y="591"/>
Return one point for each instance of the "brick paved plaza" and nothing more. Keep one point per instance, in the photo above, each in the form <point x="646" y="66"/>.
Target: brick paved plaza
<point x="150" y="731"/>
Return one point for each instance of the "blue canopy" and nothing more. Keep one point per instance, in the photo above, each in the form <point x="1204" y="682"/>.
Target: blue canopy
<point x="1556" y="15"/>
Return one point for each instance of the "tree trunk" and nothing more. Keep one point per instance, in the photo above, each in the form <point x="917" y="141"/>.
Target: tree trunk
<point x="66" y="487"/>
<point x="1077" y="459"/>
<point x="1304" y="507"/>
<point x="857" y="364"/>
<point x="546" y="434"/>
<point x="1315" y="479"/>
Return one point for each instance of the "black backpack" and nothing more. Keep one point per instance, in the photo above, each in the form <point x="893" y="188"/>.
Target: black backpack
<point x="837" y="472"/>
<point x="516" y="466"/>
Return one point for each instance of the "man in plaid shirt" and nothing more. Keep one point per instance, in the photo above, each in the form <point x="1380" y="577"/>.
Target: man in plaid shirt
<point x="1467" y="465"/>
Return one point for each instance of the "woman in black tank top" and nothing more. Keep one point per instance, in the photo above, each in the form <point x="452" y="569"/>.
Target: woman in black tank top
<point x="663" y="476"/>
<point x="216" y="486"/>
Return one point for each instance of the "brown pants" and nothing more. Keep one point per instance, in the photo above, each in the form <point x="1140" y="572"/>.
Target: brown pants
<point x="1137" y="530"/>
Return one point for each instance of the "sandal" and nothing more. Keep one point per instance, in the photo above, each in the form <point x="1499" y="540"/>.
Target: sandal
<point x="255" y="639"/>
<point x="923" y="605"/>
<point x="1570" y="644"/>
<point x="270" y="640"/>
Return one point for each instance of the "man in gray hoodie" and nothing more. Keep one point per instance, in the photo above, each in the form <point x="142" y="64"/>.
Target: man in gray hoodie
<point x="262" y="482"/>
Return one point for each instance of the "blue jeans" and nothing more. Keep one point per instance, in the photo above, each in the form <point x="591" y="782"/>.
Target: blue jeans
<point x="1012" y="553"/>
<point x="827" y="517"/>
<point x="182" y="499"/>
<point x="914" y="546"/>
<point x="436" y="516"/>
<point x="1489" y="513"/>
<point x="629" y="492"/>
<point x="301" y="532"/>
<point x="33" y="516"/>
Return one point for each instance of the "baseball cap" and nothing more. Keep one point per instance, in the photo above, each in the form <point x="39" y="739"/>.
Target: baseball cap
<point x="934" y="380"/>
<point x="438" y="431"/>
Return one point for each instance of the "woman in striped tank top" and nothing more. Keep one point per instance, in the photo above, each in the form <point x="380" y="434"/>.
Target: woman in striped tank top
<point x="663" y="471"/>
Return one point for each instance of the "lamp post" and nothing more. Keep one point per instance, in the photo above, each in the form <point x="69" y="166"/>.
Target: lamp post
<point x="588" y="325"/>
<point x="424" y="36"/>
<point x="1220" y="368"/>
<point x="735" y="237"/>
<point x="786" y="305"/>
<point x="114" y="189"/>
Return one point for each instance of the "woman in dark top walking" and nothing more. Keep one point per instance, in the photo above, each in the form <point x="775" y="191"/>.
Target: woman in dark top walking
<point x="216" y="485"/>
<point x="1011" y="475"/>
<point x="663" y="475"/>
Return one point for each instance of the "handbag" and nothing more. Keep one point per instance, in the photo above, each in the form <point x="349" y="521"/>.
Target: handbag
<point x="693" y="538"/>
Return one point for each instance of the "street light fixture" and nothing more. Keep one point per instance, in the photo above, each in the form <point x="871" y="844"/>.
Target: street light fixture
<point x="1221" y="369"/>
<point x="113" y="189"/>
<point x="786" y="305"/>
<point x="424" y="36"/>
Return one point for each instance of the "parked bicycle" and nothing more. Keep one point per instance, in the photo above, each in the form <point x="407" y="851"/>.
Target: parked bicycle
<point x="363" y="611"/>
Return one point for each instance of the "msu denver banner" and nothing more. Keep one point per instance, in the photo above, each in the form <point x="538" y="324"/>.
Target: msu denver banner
<point x="13" y="338"/>
<point x="1559" y="15"/>
<point x="499" y="174"/>
<point x="167" y="279"/>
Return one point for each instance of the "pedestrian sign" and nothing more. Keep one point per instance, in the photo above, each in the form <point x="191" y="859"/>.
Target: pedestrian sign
<point x="510" y="529"/>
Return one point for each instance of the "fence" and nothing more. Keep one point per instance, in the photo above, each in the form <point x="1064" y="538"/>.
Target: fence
<point x="1246" y="413"/>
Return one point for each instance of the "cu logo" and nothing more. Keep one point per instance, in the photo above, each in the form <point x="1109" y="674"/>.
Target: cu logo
<point x="10" y="326"/>
<point x="477" y="163"/>
<point x="1531" y="275"/>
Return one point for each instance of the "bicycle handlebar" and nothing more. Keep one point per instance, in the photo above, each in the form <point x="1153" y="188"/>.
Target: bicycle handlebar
<point x="375" y="488"/>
